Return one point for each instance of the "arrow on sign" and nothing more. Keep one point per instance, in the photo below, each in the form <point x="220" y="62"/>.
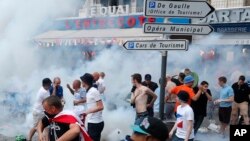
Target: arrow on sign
<point x="176" y="29"/>
<point x="156" y="45"/>
<point x="167" y="8"/>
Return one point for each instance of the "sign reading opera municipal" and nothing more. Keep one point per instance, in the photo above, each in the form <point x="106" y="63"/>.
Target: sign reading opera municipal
<point x="178" y="29"/>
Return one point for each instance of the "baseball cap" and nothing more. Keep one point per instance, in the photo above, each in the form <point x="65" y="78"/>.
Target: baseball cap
<point x="148" y="77"/>
<point x="152" y="126"/>
<point x="87" y="78"/>
<point x="188" y="79"/>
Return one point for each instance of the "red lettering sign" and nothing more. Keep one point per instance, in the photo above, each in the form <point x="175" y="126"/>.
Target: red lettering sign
<point x="86" y="24"/>
<point x="102" y="23"/>
<point x="120" y="22"/>
<point x="94" y="23"/>
<point x="111" y="22"/>
<point x="131" y="21"/>
<point x="77" y="23"/>
<point x="142" y="20"/>
<point x="67" y="26"/>
<point x="151" y="19"/>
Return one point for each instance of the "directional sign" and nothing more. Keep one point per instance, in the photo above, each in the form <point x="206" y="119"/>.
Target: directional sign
<point x="156" y="45"/>
<point x="176" y="29"/>
<point x="167" y="8"/>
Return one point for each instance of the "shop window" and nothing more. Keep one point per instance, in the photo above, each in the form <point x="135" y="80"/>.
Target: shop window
<point x="104" y="3"/>
<point x="113" y="3"/>
<point x="126" y="2"/>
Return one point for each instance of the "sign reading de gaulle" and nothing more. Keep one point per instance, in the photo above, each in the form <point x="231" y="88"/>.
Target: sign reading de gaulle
<point x="167" y="8"/>
<point x="177" y="44"/>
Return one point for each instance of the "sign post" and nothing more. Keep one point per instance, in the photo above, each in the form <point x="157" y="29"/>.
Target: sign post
<point x="163" y="83"/>
<point x="178" y="29"/>
<point x="177" y="44"/>
<point x="169" y="8"/>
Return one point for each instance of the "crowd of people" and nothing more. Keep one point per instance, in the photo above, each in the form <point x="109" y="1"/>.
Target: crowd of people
<point x="53" y="123"/>
<point x="185" y="103"/>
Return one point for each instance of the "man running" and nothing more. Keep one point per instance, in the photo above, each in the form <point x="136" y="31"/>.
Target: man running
<point x="38" y="108"/>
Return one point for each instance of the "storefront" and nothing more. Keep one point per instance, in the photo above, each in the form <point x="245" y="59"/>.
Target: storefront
<point x="232" y="26"/>
<point x="100" y="25"/>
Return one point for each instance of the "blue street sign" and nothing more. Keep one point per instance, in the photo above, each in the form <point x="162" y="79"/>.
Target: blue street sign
<point x="131" y="45"/>
<point x="179" y="20"/>
<point x="152" y="4"/>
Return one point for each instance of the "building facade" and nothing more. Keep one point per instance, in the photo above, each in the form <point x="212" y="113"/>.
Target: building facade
<point x="229" y="3"/>
<point x="97" y="19"/>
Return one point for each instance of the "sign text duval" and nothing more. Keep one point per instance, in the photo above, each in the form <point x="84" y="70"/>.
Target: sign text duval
<point x="156" y="45"/>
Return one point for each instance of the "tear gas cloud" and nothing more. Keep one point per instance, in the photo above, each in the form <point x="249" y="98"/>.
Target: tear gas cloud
<point x="23" y="66"/>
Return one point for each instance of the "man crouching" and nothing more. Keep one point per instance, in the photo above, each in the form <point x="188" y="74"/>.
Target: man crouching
<point x="64" y="125"/>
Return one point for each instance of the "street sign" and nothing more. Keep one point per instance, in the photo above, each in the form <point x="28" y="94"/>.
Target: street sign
<point x="156" y="45"/>
<point x="177" y="29"/>
<point x="167" y="8"/>
<point x="179" y="20"/>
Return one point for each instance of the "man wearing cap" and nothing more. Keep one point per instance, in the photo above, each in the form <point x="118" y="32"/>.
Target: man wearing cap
<point x="152" y="86"/>
<point x="38" y="113"/>
<point x="187" y="87"/>
<point x="140" y="96"/>
<point x="187" y="72"/>
<point x="94" y="108"/>
<point x="185" y="120"/>
<point x="149" y="129"/>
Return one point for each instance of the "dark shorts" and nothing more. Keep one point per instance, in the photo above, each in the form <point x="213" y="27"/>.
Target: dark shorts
<point x="225" y="114"/>
<point x="95" y="130"/>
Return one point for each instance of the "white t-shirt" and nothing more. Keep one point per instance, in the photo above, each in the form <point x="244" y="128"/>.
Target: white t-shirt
<point x="183" y="115"/>
<point x="101" y="85"/>
<point x="41" y="95"/>
<point x="93" y="96"/>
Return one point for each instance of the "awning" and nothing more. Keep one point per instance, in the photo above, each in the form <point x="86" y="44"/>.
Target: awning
<point x="119" y="36"/>
<point x="233" y="39"/>
<point x="75" y="37"/>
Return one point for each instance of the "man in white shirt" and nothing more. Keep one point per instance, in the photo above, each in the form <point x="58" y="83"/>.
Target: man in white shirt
<point x="94" y="108"/>
<point x="38" y="111"/>
<point x="185" y="120"/>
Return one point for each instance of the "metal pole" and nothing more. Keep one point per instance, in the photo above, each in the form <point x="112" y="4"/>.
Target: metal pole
<point x="163" y="82"/>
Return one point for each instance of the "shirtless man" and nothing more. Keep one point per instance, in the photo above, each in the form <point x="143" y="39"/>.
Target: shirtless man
<point x="139" y="98"/>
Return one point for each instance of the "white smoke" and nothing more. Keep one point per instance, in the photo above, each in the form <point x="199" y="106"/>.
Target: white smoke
<point x="23" y="66"/>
